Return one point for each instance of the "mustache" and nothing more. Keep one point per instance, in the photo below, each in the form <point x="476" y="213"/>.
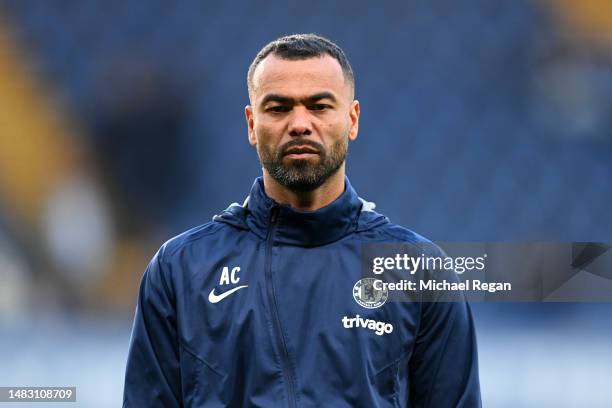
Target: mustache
<point x="302" y="142"/>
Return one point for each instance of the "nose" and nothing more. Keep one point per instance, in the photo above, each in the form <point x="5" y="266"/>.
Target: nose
<point x="299" y="122"/>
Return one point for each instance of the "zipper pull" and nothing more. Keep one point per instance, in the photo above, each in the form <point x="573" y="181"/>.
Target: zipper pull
<point x="274" y="215"/>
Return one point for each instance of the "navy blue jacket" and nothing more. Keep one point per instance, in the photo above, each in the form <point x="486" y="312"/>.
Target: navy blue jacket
<point x="247" y="311"/>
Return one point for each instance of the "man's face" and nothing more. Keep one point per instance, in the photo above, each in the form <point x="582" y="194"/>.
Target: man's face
<point x="301" y="119"/>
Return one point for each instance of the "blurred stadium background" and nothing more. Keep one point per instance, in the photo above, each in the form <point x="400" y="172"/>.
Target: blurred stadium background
<point x="121" y="124"/>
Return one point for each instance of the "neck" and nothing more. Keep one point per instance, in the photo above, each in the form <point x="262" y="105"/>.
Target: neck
<point x="306" y="201"/>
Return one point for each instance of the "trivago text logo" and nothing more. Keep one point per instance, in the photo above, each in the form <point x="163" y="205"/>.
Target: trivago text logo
<point x="379" y="328"/>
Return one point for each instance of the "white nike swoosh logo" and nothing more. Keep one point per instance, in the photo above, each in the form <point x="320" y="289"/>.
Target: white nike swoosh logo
<point x="212" y="298"/>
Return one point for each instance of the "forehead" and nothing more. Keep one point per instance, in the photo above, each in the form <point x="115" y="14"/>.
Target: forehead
<point x="299" y="77"/>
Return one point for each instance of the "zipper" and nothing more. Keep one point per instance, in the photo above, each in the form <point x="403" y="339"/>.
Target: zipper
<point x="281" y="343"/>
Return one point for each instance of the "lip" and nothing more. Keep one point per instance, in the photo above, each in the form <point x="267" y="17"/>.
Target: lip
<point x="300" y="155"/>
<point x="304" y="150"/>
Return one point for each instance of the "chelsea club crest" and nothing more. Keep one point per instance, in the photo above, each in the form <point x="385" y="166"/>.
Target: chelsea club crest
<point x="367" y="296"/>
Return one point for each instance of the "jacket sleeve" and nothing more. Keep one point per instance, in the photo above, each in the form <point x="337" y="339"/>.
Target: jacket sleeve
<point x="152" y="377"/>
<point x="444" y="364"/>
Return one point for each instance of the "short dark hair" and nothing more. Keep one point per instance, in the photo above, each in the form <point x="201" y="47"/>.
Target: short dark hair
<point x="300" y="47"/>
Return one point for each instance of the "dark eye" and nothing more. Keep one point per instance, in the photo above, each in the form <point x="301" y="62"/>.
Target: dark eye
<point x="319" y="107"/>
<point x="278" y="109"/>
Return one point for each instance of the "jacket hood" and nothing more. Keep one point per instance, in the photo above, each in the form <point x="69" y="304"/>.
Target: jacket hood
<point x="347" y="214"/>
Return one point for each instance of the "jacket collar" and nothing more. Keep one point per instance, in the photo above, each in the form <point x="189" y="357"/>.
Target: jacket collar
<point x="292" y="227"/>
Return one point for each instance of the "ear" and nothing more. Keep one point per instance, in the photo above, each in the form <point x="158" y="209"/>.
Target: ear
<point x="354" y="111"/>
<point x="248" y="113"/>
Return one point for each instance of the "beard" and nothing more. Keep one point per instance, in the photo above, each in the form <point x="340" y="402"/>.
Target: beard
<point x="303" y="175"/>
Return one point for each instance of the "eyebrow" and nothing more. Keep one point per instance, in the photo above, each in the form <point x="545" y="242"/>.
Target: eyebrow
<point x="286" y="100"/>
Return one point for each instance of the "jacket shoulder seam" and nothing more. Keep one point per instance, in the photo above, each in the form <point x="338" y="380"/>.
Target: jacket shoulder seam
<point x="197" y="235"/>
<point x="406" y="240"/>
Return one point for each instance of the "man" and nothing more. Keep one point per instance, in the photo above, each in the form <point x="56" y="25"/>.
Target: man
<point x="261" y="307"/>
